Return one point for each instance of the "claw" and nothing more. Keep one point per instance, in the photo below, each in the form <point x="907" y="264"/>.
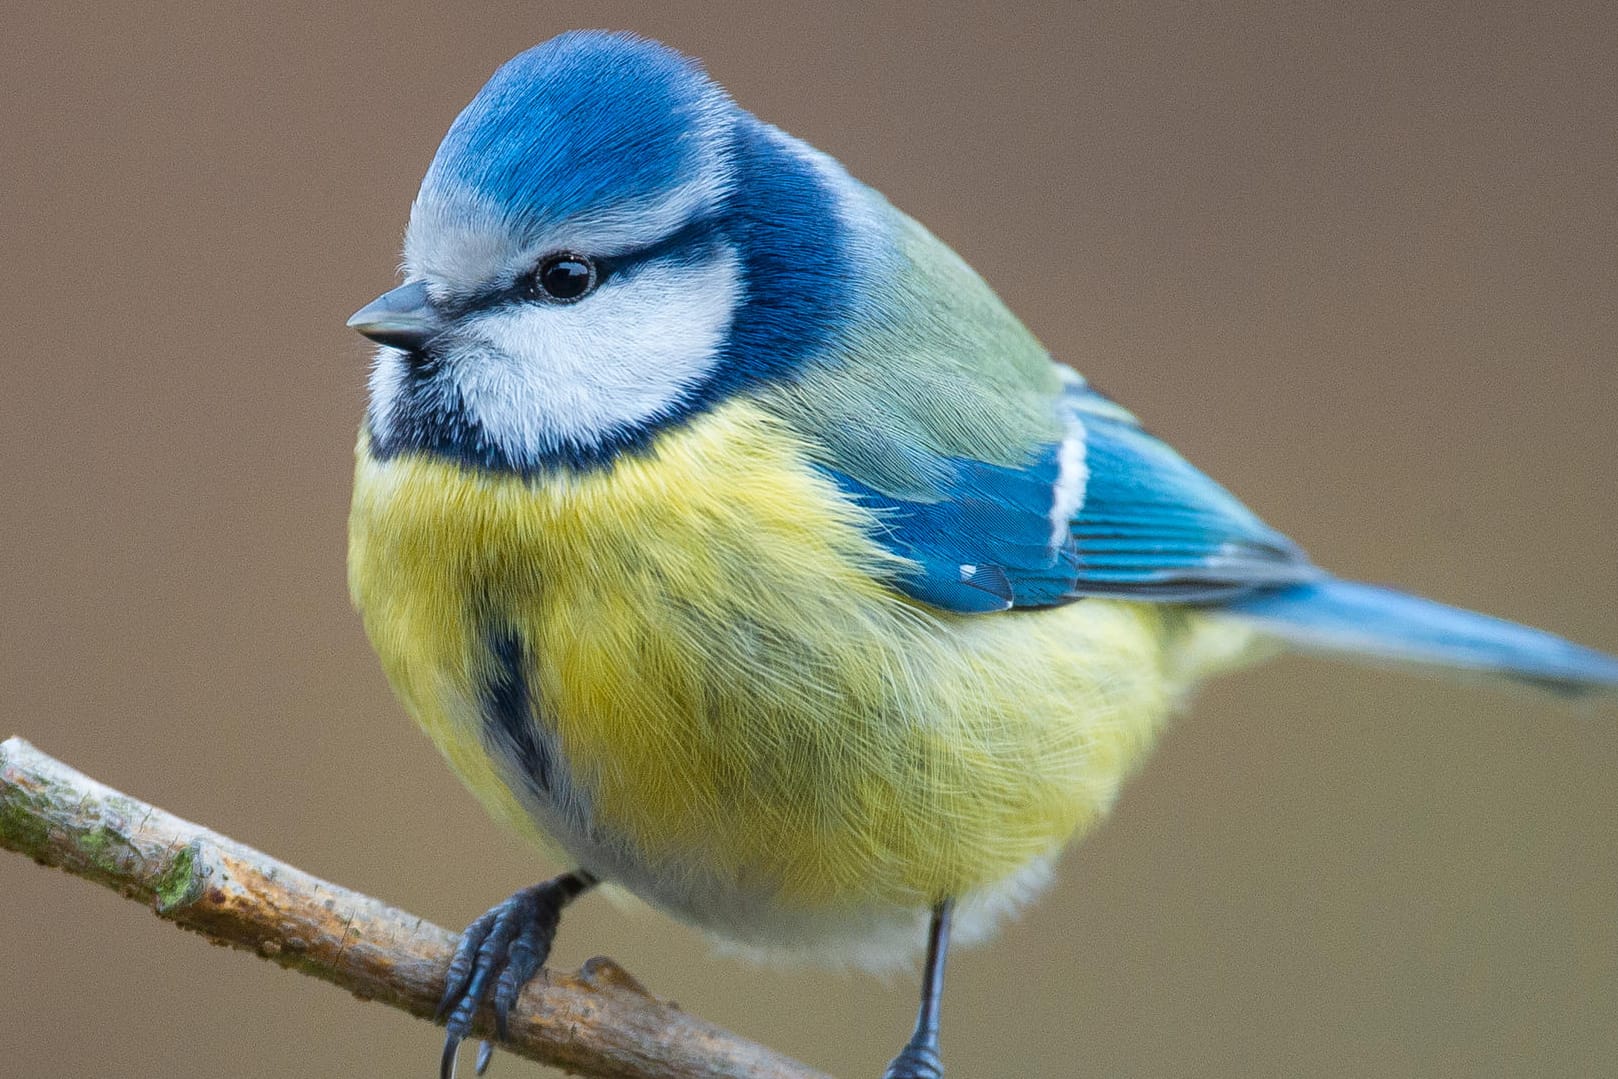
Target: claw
<point x="508" y="945"/>
<point x="446" y="1063"/>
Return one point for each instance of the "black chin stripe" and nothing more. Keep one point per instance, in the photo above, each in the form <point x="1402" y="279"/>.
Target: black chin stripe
<point x="452" y="435"/>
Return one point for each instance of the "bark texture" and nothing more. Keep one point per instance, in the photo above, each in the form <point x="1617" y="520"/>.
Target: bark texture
<point x="596" y="1022"/>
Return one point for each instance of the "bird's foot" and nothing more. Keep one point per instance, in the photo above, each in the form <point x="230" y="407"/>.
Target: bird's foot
<point x="918" y="1060"/>
<point x="506" y="946"/>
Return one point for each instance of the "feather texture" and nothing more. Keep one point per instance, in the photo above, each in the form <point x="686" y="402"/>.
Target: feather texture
<point x="742" y="723"/>
<point x="1381" y="624"/>
<point x="1003" y="479"/>
<point x="784" y="579"/>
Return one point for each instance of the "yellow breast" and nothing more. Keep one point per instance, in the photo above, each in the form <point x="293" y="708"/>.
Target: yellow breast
<point x="738" y="704"/>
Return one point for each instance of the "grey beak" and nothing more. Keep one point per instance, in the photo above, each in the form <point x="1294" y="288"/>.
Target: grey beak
<point x="399" y="318"/>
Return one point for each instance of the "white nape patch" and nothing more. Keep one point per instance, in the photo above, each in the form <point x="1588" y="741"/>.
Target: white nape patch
<point x="866" y="214"/>
<point x="1072" y="475"/>
<point x="539" y="376"/>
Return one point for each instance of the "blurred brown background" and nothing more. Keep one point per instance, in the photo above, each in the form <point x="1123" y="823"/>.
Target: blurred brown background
<point x="1361" y="265"/>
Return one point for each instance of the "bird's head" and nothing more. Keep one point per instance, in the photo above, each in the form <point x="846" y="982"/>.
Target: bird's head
<point x="603" y="245"/>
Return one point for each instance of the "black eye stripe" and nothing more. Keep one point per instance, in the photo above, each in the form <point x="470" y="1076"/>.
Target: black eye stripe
<point x="690" y="241"/>
<point x="695" y="234"/>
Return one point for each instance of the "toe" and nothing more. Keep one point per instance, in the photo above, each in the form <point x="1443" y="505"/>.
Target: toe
<point x="461" y="964"/>
<point x="490" y="959"/>
<point x="506" y="947"/>
<point x="523" y="960"/>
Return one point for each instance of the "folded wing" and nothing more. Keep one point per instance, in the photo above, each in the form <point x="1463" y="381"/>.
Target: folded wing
<point x="1105" y="509"/>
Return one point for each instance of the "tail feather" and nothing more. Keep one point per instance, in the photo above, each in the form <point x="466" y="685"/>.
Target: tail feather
<point x="1380" y="623"/>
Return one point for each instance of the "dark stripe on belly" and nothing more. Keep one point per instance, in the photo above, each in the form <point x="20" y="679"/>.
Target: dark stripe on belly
<point x="510" y="717"/>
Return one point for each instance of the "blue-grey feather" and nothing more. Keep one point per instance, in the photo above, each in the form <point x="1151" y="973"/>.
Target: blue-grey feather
<point x="593" y="125"/>
<point x="584" y="122"/>
<point x="783" y="220"/>
<point x="1155" y="527"/>
<point x="1150" y="527"/>
<point x="1365" y="620"/>
<point x="984" y="543"/>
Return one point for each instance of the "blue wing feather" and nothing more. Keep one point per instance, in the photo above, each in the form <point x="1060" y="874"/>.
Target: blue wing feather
<point x="984" y="545"/>
<point x="1153" y="527"/>
<point x="1149" y="525"/>
<point x="1379" y="623"/>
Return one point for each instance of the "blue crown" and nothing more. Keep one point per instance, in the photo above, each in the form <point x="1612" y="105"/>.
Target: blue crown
<point x="586" y="120"/>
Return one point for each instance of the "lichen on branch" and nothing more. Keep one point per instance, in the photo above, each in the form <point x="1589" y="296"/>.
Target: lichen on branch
<point x="596" y="1022"/>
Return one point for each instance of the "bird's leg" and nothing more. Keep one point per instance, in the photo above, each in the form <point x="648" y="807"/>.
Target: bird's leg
<point x="508" y="945"/>
<point x="919" y="1058"/>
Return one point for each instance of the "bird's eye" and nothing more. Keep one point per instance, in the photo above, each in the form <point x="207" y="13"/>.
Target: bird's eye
<point x="565" y="278"/>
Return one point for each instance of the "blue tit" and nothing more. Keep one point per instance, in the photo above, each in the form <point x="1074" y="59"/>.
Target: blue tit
<point x="733" y="541"/>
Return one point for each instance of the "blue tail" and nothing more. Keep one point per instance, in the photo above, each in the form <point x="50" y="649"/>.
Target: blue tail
<point x="1379" y="623"/>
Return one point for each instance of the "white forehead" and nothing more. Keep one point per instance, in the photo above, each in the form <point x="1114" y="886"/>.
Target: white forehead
<point x="460" y="241"/>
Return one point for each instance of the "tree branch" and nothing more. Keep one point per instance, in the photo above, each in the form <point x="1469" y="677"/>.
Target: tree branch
<point x="597" y="1022"/>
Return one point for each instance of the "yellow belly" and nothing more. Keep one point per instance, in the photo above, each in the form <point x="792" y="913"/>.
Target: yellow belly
<point x="744" y="714"/>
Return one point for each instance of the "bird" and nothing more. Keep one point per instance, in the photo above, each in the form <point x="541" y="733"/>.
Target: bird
<point x="735" y="543"/>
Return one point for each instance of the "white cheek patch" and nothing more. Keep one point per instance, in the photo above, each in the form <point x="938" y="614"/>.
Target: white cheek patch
<point x="537" y="377"/>
<point x="390" y="391"/>
<point x="386" y="384"/>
